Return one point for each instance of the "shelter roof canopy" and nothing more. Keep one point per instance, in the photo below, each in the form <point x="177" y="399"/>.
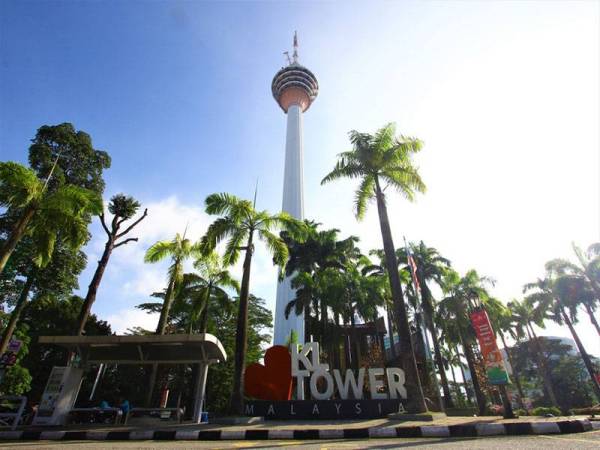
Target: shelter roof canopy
<point x="143" y="349"/>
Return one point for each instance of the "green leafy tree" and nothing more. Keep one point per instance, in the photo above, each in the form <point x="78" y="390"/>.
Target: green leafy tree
<point x="240" y="223"/>
<point x="72" y="160"/>
<point x="220" y="380"/>
<point x="567" y="371"/>
<point x="122" y="208"/>
<point x="52" y="315"/>
<point x="382" y="160"/>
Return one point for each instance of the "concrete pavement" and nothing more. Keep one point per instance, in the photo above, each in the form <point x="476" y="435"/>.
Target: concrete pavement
<point x="587" y="440"/>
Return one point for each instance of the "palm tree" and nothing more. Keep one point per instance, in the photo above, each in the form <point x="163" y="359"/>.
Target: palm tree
<point x="379" y="270"/>
<point x="525" y="315"/>
<point x="43" y="213"/>
<point x="504" y="322"/>
<point x="379" y="161"/>
<point x="178" y="250"/>
<point x="213" y="279"/>
<point x="44" y="216"/>
<point x="430" y="266"/>
<point x="122" y="208"/>
<point x="588" y="272"/>
<point x="320" y="250"/>
<point x="239" y="225"/>
<point x="462" y="295"/>
<point x="558" y="296"/>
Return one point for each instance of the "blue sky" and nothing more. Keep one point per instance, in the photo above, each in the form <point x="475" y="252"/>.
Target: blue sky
<point x="504" y="94"/>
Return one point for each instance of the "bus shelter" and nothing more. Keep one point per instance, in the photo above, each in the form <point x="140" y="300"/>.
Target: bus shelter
<point x="202" y="349"/>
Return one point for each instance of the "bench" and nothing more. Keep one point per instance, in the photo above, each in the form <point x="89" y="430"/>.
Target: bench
<point x="161" y="414"/>
<point x="95" y="415"/>
<point x="11" y="410"/>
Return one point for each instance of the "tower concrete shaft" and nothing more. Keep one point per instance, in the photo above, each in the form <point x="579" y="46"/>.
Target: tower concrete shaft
<point x="293" y="203"/>
<point x="294" y="88"/>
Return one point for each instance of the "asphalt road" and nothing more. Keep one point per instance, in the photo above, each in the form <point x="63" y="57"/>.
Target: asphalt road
<point x="588" y="440"/>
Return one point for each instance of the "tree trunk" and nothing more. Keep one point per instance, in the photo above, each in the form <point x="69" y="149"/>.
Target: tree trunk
<point x="514" y="370"/>
<point x="15" y="235"/>
<point x="90" y="297"/>
<point x="391" y="331"/>
<point x="479" y="395"/>
<point x="354" y="345"/>
<point x="16" y="314"/>
<point x="543" y="368"/>
<point x="588" y="309"/>
<point x="416" y="400"/>
<point x="584" y="355"/>
<point x="241" y="341"/>
<point x="323" y="321"/>
<point x="306" y="322"/>
<point x="204" y="313"/>
<point x="468" y="392"/>
<point x="428" y="310"/>
<point x="164" y="312"/>
<point x="453" y="377"/>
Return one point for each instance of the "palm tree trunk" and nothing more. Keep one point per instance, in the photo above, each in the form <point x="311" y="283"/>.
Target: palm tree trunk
<point x="588" y="309"/>
<point x="479" y="395"/>
<point x="323" y="321"/>
<point x="241" y="341"/>
<point x="354" y="345"/>
<point x="453" y="376"/>
<point x="542" y="366"/>
<point x="467" y="387"/>
<point x="164" y="312"/>
<point x="584" y="355"/>
<point x="416" y="399"/>
<point x="160" y="330"/>
<point x="16" y="314"/>
<point x="15" y="235"/>
<point x="90" y="297"/>
<point x="391" y="330"/>
<point x="204" y="313"/>
<point x="514" y="369"/>
<point x="427" y="310"/>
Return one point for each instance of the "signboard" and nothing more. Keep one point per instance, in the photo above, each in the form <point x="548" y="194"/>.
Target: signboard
<point x="492" y="358"/>
<point x="59" y="395"/>
<point x="9" y="357"/>
<point x="272" y="385"/>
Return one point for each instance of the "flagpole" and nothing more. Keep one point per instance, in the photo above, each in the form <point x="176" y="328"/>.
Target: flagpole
<point x="421" y="312"/>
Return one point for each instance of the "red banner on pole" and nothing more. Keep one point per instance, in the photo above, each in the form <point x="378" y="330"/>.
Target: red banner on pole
<point x="494" y="364"/>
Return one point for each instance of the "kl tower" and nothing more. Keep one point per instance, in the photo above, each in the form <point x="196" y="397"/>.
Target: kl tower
<point x="294" y="88"/>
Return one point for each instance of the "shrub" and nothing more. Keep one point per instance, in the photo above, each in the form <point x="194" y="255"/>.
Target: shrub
<point x="545" y="410"/>
<point x="521" y="412"/>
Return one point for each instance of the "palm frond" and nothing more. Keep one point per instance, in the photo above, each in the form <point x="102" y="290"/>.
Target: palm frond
<point x="19" y="185"/>
<point x="363" y="194"/>
<point x="159" y="251"/>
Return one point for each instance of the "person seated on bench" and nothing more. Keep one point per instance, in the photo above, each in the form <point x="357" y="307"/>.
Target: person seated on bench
<point x="124" y="405"/>
<point x="104" y="405"/>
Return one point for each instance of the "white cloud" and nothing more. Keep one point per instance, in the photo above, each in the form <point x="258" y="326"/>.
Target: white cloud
<point x="129" y="318"/>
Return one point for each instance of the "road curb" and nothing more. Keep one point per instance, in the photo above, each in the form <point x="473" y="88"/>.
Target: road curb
<point x="441" y="431"/>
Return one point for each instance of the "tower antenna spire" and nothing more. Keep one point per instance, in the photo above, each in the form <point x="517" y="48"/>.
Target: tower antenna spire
<point x="295" y="54"/>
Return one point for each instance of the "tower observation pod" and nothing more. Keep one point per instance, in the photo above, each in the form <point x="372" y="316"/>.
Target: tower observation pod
<point x="294" y="88"/>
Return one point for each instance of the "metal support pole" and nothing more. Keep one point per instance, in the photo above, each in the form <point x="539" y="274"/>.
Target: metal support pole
<point x="199" y="391"/>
